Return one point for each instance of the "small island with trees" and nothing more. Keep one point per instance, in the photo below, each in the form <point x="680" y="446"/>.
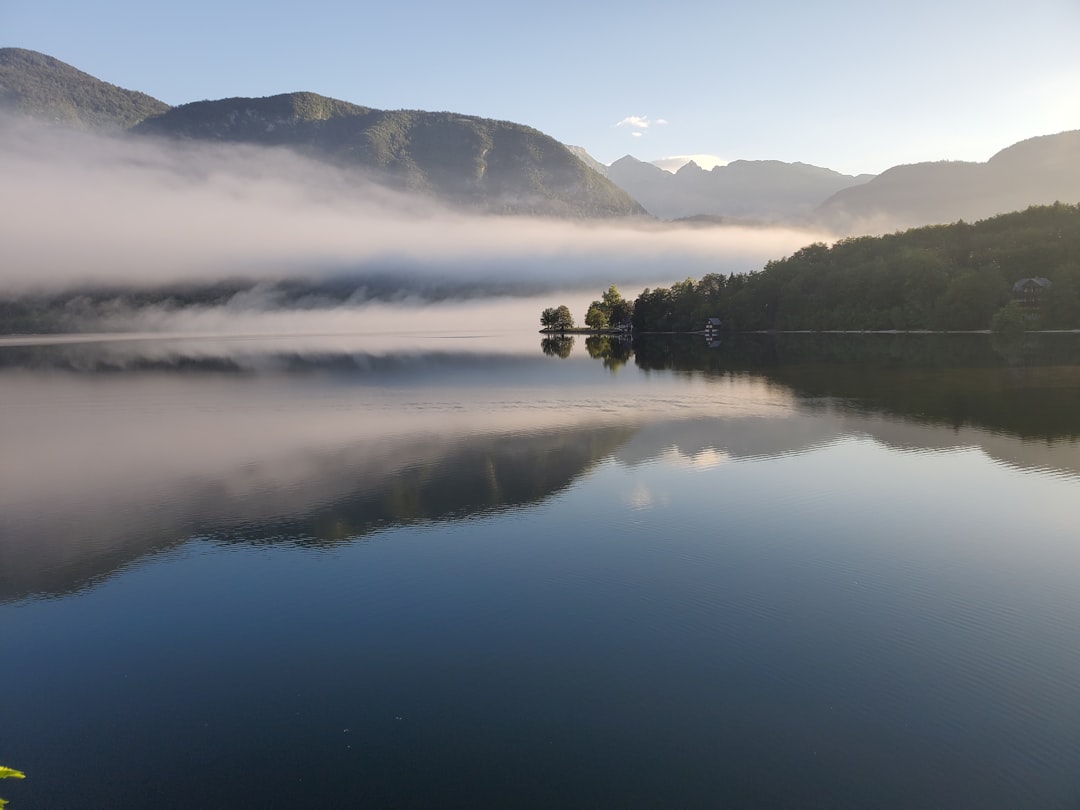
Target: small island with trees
<point x="610" y="314"/>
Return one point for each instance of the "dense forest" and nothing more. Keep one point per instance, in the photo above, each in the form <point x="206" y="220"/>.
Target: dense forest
<point x="955" y="277"/>
<point x="37" y="85"/>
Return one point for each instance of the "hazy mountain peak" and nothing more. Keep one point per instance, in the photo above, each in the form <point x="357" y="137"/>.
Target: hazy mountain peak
<point x="673" y="163"/>
<point x="588" y="160"/>
<point x="1062" y="149"/>
<point x="1035" y="171"/>
<point x="768" y="190"/>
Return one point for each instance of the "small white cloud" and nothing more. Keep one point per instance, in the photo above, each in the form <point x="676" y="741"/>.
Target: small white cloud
<point x="637" y="134"/>
<point x="661" y="122"/>
<point x="635" y="121"/>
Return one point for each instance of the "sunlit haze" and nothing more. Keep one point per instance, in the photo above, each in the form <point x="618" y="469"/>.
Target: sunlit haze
<point x="851" y="86"/>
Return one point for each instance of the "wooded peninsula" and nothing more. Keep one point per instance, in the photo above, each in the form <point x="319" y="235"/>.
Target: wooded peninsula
<point x="1018" y="270"/>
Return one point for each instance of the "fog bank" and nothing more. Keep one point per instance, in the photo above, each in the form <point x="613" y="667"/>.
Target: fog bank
<point x="85" y="210"/>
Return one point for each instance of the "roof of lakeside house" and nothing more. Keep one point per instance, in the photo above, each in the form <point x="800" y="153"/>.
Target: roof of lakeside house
<point x="1024" y="282"/>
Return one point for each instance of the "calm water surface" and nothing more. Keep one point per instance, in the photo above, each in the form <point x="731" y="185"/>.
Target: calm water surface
<point x="474" y="571"/>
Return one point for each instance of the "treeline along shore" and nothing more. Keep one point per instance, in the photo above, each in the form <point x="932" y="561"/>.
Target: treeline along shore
<point x="1013" y="271"/>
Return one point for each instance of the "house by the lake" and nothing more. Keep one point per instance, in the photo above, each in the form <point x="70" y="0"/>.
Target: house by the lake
<point x="1029" y="291"/>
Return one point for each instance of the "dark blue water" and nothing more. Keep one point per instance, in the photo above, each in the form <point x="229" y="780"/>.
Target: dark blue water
<point x="465" y="578"/>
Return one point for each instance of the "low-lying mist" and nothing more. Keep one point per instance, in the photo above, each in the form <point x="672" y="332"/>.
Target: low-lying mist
<point x="139" y="233"/>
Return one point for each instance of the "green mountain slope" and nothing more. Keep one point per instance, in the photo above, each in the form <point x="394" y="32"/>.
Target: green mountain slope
<point x="37" y="85"/>
<point x="494" y="166"/>
<point x="477" y="163"/>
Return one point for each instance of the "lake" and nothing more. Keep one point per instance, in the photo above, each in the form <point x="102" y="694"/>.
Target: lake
<point x="485" y="570"/>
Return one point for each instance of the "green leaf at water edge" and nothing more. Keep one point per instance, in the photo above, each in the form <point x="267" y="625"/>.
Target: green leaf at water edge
<point x="9" y="773"/>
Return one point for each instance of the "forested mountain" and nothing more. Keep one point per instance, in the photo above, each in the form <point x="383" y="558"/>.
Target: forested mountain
<point x="495" y="166"/>
<point x="502" y="167"/>
<point x="954" y="277"/>
<point x="766" y="190"/>
<point x="37" y="85"/>
<point x="1037" y="171"/>
<point x="478" y="163"/>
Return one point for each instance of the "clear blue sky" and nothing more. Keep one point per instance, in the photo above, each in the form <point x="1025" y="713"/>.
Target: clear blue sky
<point x="855" y="86"/>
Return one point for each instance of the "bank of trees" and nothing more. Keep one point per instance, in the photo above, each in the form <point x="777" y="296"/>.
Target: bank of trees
<point x="611" y="311"/>
<point x="939" y="277"/>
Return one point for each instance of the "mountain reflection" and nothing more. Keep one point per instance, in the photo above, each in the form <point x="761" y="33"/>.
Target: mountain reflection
<point x="116" y="451"/>
<point x="309" y="498"/>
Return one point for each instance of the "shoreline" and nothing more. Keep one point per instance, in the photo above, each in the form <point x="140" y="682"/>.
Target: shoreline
<point x="586" y="331"/>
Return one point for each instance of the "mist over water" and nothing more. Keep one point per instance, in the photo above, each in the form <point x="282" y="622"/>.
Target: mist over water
<point x="127" y="231"/>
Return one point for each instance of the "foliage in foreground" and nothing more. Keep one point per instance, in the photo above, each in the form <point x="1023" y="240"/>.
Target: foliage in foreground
<point x="952" y="277"/>
<point x="9" y="773"/>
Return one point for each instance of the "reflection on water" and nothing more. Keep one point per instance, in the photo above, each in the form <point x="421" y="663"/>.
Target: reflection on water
<point x="781" y="571"/>
<point x="322" y="439"/>
<point x="246" y="438"/>
<point x="1025" y="388"/>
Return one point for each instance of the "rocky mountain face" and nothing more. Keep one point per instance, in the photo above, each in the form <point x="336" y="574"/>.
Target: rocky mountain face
<point x="1036" y="171"/>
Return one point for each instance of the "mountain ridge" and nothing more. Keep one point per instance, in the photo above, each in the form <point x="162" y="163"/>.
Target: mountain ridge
<point x="43" y="87"/>
<point x="759" y="190"/>
<point x="479" y="164"/>
<point x="492" y="166"/>
<point x="1035" y="171"/>
<point x="495" y="166"/>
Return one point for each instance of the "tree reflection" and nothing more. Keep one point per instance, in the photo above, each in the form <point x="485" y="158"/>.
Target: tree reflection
<point x="613" y="351"/>
<point x="559" y="346"/>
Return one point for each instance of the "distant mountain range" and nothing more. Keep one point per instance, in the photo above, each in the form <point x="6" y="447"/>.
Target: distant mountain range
<point x="1037" y="171"/>
<point x="761" y="190"/>
<point x="476" y="163"/>
<point x="501" y="167"/>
